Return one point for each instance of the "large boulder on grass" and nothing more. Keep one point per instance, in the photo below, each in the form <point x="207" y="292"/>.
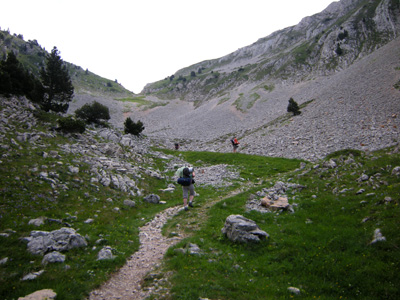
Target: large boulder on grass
<point x="240" y="229"/>
<point x="41" y="242"/>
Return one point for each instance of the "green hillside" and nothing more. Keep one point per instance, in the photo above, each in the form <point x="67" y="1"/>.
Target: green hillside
<point x="32" y="56"/>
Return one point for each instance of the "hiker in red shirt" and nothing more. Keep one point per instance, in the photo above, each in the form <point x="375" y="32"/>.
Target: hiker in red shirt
<point x="235" y="144"/>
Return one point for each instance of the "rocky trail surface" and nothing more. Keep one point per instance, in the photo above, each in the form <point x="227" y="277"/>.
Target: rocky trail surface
<point x="126" y="283"/>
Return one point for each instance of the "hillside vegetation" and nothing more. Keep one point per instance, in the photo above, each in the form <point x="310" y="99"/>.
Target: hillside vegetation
<point x="32" y="57"/>
<point x="321" y="247"/>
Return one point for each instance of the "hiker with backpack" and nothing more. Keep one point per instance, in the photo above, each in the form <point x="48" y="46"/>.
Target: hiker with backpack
<point x="235" y="144"/>
<point x="185" y="178"/>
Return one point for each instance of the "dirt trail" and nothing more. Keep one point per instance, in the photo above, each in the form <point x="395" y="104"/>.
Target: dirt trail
<point x="126" y="283"/>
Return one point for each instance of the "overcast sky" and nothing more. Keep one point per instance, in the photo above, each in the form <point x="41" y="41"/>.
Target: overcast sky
<point x="142" y="41"/>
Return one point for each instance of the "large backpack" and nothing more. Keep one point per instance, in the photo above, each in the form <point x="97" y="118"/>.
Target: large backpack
<point x="186" y="180"/>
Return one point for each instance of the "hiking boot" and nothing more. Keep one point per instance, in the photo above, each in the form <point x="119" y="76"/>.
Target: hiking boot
<point x="186" y="208"/>
<point x="190" y="204"/>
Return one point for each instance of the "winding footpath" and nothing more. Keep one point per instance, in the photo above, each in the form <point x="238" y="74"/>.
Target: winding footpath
<point x="125" y="284"/>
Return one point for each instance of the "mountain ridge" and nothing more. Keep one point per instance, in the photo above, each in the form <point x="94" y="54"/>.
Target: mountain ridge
<point x="319" y="45"/>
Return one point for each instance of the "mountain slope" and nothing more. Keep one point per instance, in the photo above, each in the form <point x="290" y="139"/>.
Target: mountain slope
<point x="355" y="108"/>
<point x="341" y="65"/>
<point x="349" y="97"/>
<point x="319" y="45"/>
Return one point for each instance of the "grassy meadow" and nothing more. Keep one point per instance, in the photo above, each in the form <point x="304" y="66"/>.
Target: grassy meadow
<point x="323" y="248"/>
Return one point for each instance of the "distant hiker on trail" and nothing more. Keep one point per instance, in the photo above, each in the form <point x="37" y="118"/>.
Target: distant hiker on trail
<point x="176" y="146"/>
<point x="185" y="178"/>
<point x="235" y="144"/>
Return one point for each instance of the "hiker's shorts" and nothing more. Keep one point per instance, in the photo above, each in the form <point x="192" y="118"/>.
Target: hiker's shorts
<point x="188" y="190"/>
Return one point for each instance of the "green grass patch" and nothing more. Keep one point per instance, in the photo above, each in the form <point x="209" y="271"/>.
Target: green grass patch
<point x="323" y="248"/>
<point x="25" y="194"/>
<point x="238" y="103"/>
<point x="269" y="88"/>
<point x="223" y="100"/>
<point x="251" y="167"/>
<point x="142" y="102"/>
<point x="253" y="99"/>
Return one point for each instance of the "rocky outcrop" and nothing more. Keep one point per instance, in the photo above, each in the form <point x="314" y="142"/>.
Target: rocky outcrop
<point x="240" y="229"/>
<point x="274" y="198"/>
<point x="41" y="242"/>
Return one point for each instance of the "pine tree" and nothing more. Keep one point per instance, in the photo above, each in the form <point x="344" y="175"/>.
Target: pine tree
<point x="293" y="107"/>
<point x="132" y="127"/>
<point x="15" y="80"/>
<point x="58" y="88"/>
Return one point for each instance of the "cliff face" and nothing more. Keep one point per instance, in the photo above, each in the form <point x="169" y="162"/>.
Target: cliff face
<point x="321" y="44"/>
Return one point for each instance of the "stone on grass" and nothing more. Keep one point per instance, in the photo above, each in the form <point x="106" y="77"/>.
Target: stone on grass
<point x="46" y="294"/>
<point x="37" y="222"/>
<point x="240" y="229"/>
<point x="63" y="239"/>
<point x="378" y="237"/>
<point x="3" y="261"/>
<point x="32" y="276"/>
<point x="105" y="253"/>
<point x="194" y="249"/>
<point x="280" y="203"/>
<point x="53" y="257"/>
<point x="129" y="203"/>
<point x="152" y="198"/>
<point x="396" y="171"/>
<point x="294" y="290"/>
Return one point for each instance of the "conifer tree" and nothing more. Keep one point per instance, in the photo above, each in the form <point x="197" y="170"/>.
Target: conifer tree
<point x="132" y="127"/>
<point x="58" y="88"/>
<point x="15" y="80"/>
<point x="293" y="107"/>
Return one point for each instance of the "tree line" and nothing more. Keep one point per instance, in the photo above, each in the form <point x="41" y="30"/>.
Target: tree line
<point x="53" y="91"/>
